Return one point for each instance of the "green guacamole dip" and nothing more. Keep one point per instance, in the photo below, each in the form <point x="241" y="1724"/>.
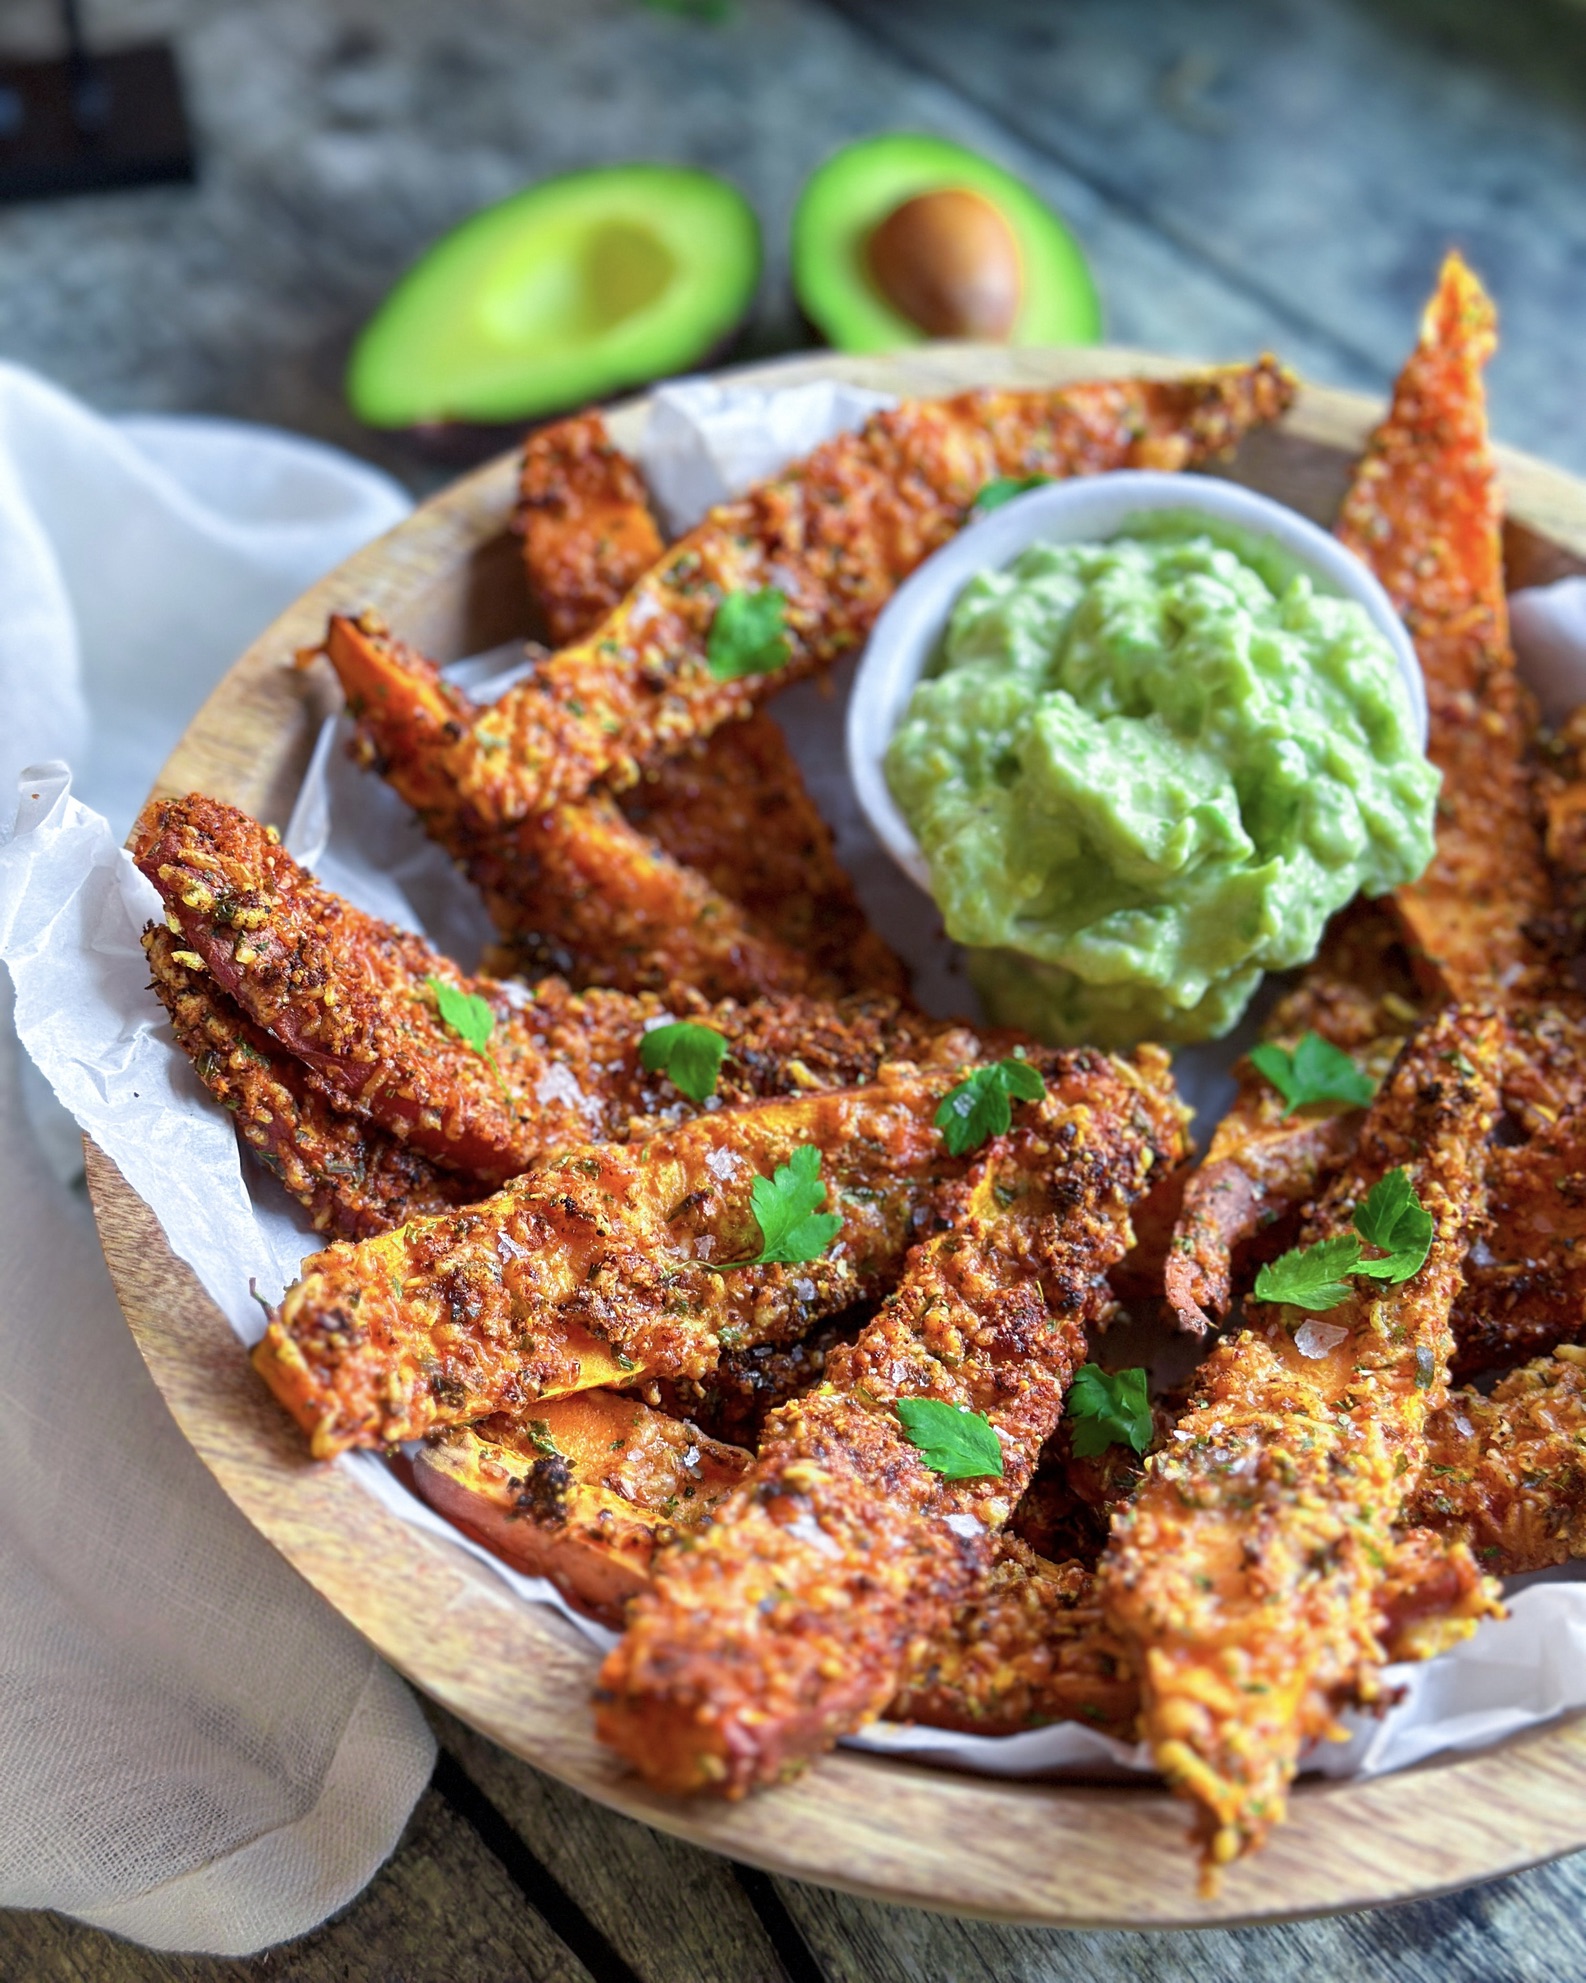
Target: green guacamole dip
<point x="1144" y="772"/>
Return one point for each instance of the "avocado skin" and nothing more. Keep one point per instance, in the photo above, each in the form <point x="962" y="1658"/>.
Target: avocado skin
<point x="572" y="290"/>
<point x="848" y="196"/>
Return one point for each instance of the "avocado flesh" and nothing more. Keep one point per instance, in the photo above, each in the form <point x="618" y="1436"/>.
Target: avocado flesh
<point x="853" y="192"/>
<point x="563" y="293"/>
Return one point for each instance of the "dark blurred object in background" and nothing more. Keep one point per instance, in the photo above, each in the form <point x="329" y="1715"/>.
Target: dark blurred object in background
<point x="84" y="123"/>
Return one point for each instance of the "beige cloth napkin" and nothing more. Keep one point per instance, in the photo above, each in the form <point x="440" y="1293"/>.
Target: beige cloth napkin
<point x="195" y="1751"/>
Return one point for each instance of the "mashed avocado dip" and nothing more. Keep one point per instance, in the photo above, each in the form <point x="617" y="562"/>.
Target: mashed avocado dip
<point x="1145" y="771"/>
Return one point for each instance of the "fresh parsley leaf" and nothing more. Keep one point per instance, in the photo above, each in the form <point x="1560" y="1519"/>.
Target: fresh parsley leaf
<point x="1311" y="1276"/>
<point x="1316" y="1071"/>
<point x="470" y="1018"/>
<point x="1003" y="490"/>
<point x="689" y="1056"/>
<point x="958" y="1445"/>
<point x="791" y="1229"/>
<point x="1391" y="1217"/>
<point x="1108" y="1410"/>
<point x="981" y="1106"/>
<point x="748" y="636"/>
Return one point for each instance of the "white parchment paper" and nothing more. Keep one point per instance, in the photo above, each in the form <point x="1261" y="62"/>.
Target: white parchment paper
<point x="72" y="906"/>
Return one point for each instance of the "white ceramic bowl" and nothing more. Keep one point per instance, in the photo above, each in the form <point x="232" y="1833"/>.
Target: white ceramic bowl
<point x="1090" y="508"/>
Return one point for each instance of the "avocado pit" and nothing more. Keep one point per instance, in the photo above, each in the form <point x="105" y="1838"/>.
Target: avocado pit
<point x="949" y="262"/>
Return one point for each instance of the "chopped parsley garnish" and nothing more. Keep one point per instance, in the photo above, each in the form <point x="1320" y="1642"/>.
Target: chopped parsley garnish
<point x="1108" y="1410"/>
<point x="792" y="1230"/>
<point x="959" y="1445"/>
<point x="1003" y="490"/>
<point x="982" y="1106"/>
<point x="1316" y="1071"/>
<point x="1311" y="1276"/>
<point x="748" y="636"/>
<point x="689" y="1056"/>
<point x="469" y="1017"/>
<point x="1390" y="1217"/>
<point x="1393" y="1218"/>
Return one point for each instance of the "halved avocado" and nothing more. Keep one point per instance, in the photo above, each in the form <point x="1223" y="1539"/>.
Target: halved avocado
<point x="564" y="293"/>
<point x="859" y="189"/>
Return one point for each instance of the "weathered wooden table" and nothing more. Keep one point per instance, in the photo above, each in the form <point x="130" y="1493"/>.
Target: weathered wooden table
<point x="1244" y="173"/>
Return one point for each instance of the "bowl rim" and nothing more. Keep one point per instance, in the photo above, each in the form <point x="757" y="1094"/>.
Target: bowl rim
<point x="1092" y="508"/>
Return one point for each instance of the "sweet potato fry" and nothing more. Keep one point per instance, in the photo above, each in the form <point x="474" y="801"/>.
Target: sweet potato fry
<point x="588" y="535"/>
<point x="1245" y="1575"/>
<point x="354" y="1179"/>
<point x="575" y="888"/>
<point x="834" y="534"/>
<point x="734" y="807"/>
<point x="797" y="1615"/>
<point x="583" y="1491"/>
<point x="357" y="1002"/>
<point x="1424" y="513"/>
<point x="1507" y="1473"/>
<point x="600" y="1267"/>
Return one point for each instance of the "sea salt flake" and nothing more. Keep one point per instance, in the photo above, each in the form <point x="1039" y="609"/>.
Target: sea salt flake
<point x="1315" y="1339"/>
<point x="807" y="1529"/>
<point x="964" y="1525"/>
<point x="805" y="1290"/>
<point x="557" y="1084"/>
<point x="723" y="1163"/>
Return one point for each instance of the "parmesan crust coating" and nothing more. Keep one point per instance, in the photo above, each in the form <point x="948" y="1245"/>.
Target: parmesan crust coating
<point x="1506" y="1474"/>
<point x="835" y="534"/>
<point x="592" y="1268"/>
<point x="354" y="1179"/>
<point x="734" y="807"/>
<point x="1245" y="1576"/>
<point x="822" y="1582"/>
<point x="352" y="998"/>
<point x="1262" y="1165"/>
<point x="575" y="888"/>
<point x="584" y="1491"/>
<point x="1525" y="1272"/>
<point x="1424" y="512"/>
<point x="588" y="535"/>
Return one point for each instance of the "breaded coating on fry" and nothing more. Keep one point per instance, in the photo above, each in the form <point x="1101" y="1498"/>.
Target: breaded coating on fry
<point x="733" y="1401"/>
<point x="822" y="1582"/>
<point x="354" y="1179"/>
<point x="1507" y="1473"/>
<point x="834" y="534"/>
<point x="1263" y="1162"/>
<point x="734" y="807"/>
<point x="588" y="535"/>
<point x="575" y="888"/>
<point x="1424" y="512"/>
<point x="1032" y="1645"/>
<point x="583" y="1491"/>
<point x="593" y="1268"/>
<point x="355" y="1000"/>
<point x="1525" y="1271"/>
<point x="1244" y="1576"/>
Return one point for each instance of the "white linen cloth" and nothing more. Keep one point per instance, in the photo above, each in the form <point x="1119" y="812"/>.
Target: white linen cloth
<point x="195" y="1751"/>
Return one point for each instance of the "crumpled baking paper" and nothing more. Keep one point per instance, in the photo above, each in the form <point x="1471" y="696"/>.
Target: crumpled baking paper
<point x="71" y="907"/>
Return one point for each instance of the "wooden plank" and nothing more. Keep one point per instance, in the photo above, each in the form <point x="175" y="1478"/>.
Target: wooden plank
<point x="676" y="1914"/>
<point x="441" y="1910"/>
<point x="1526" y="1929"/>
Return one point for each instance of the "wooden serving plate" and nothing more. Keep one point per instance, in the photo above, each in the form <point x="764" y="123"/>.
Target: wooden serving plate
<point x="1060" y="1853"/>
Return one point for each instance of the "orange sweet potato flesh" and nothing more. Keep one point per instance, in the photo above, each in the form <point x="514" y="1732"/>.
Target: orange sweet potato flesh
<point x="583" y="1490"/>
